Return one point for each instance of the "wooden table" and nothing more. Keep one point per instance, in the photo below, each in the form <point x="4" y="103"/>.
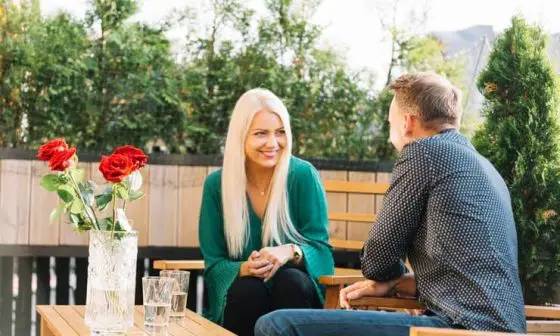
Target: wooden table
<point x="69" y="321"/>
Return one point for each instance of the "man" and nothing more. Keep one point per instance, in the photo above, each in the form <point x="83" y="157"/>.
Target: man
<point x="447" y="210"/>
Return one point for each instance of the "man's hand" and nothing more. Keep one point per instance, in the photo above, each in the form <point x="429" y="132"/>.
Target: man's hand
<point x="278" y="256"/>
<point x="255" y="266"/>
<point x="406" y="285"/>
<point x="363" y="289"/>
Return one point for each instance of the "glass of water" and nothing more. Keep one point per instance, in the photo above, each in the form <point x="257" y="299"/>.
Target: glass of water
<point x="180" y="291"/>
<point x="157" y="303"/>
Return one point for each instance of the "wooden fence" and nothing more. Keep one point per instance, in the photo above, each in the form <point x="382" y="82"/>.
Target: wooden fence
<point x="42" y="263"/>
<point x="166" y="217"/>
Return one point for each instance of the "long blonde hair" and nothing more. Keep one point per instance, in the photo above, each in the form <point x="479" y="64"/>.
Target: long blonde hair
<point x="277" y="225"/>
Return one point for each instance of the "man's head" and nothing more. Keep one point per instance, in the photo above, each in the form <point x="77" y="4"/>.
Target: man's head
<point x="424" y="105"/>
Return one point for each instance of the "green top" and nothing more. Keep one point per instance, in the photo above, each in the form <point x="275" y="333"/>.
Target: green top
<point x="308" y="212"/>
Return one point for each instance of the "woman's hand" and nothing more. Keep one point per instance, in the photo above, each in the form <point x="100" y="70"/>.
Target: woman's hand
<point x="255" y="266"/>
<point x="362" y="289"/>
<point x="278" y="256"/>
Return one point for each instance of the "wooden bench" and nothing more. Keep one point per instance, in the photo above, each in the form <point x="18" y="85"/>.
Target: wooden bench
<point x="335" y="283"/>
<point x="333" y="186"/>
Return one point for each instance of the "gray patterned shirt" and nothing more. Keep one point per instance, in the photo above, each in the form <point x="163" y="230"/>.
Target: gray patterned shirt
<point x="449" y="211"/>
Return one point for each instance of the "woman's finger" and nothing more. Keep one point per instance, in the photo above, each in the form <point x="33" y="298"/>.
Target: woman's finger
<point x="272" y="271"/>
<point x="259" y="263"/>
<point x="261" y="270"/>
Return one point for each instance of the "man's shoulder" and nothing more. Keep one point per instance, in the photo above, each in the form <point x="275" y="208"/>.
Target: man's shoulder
<point x="447" y="142"/>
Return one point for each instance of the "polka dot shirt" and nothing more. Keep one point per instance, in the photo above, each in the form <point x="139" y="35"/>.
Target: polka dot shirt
<point x="449" y="211"/>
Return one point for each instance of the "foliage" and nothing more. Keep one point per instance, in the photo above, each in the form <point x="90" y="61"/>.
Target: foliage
<point x="520" y="137"/>
<point x="107" y="81"/>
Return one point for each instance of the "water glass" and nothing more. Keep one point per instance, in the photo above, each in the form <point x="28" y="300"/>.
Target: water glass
<point x="180" y="291"/>
<point x="157" y="303"/>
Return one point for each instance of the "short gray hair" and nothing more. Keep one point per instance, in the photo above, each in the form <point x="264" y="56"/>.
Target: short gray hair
<point x="431" y="97"/>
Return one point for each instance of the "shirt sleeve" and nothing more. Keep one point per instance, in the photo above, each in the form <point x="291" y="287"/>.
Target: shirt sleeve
<point x="313" y="223"/>
<point x="220" y="271"/>
<point x="401" y="214"/>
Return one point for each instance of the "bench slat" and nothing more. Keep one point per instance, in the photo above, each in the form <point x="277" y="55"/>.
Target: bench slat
<point x="353" y="245"/>
<point x="352" y="217"/>
<point x="355" y="187"/>
<point x="179" y="264"/>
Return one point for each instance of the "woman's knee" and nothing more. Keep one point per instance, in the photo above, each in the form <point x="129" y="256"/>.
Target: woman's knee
<point x="293" y="288"/>
<point x="293" y="280"/>
<point x="247" y="291"/>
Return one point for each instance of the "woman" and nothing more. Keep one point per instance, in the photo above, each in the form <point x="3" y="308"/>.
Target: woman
<point x="263" y="221"/>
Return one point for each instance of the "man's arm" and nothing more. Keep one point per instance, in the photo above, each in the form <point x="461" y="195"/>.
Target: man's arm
<point x="402" y="212"/>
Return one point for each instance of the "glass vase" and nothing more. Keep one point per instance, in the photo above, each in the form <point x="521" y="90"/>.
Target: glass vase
<point x="111" y="281"/>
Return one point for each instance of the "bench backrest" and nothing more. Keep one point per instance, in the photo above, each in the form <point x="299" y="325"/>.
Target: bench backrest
<point x="334" y="186"/>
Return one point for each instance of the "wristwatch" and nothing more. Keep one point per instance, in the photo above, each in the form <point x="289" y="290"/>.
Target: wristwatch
<point x="297" y="254"/>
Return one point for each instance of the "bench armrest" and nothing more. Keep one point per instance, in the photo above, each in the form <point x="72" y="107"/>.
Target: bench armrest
<point x="192" y="265"/>
<point x="342" y="276"/>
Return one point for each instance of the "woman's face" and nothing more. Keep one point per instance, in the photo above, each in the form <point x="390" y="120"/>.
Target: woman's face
<point x="265" y="140"/>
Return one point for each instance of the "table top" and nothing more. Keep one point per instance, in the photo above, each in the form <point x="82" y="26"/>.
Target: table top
<point x="69" y="321"/>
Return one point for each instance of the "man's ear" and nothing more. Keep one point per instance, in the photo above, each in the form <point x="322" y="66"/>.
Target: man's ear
<point x="410" y="124"/>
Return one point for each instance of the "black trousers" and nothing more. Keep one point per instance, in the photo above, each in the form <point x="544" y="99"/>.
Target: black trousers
<point x="249" y="298"/>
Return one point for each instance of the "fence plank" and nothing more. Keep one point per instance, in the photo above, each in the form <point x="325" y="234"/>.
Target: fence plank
<point x="337" y="202"/>
<point x="139" y="274"/>
<point x="6" y="295"/>
<point x="62" y="270"/>
<point x="23" y="301"/>
<point x="15" y="179"/>
<point x="42" y="231"/>
<point x="67" y="234"/>
<point x="81" y="281"/>
<point x="381" y="178"/>
<point x="163" y="210"/>
<point x="43" y="280"/>
<point x="360" y="203"/>
<point x="190" y="198"/>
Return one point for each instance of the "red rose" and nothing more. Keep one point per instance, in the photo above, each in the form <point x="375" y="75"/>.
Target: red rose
<point x="116" y="167"/>
<point x="137" y="155"/>
<point x="62" y="159"/>
<point x="48" y="150"/>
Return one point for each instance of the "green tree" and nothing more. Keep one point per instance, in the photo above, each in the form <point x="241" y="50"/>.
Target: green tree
<point x="411" y="51"/>
<point x="57" y="84"/>
<point x="17" y="22"/>
<point x="520" y="137"/>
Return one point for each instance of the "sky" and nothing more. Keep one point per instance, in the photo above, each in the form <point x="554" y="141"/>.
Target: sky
<point x="353" y="26"/>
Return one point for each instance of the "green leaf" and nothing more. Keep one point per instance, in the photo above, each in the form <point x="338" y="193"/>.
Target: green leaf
<point x="102" y="200"/>
<point x="77" y="174"/>
<point x="51" y="182"/>
<point x="66" y="193"/>
<point x="76" y="221"/>
<point x="77" y="207"/>
<point x="122" y="191"/>
<point x="105" y="223"/>
<point x="134" y="195"/>
<point x="56" y="212"/>
<point x="88" y="197"/>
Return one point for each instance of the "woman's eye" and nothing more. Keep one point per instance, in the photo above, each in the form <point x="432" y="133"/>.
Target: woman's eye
<point x="260" y="133"/>
<point x="282" y="132"/>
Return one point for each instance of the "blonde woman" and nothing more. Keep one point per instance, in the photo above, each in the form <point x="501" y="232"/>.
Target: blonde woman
<point x="263" y="222"/>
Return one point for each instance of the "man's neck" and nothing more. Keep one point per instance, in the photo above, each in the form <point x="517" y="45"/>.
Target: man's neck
<point x="421" y="133"/>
